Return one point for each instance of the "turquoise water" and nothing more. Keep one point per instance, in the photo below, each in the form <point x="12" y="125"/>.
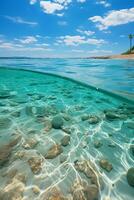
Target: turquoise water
<point x="62" y="140"/>
<point x="112" y="75"/>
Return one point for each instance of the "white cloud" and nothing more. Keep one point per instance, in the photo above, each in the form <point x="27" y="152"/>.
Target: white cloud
<point x="85" y="32"/>
<point x="51" y="7"/>
<point x="107" y="31"/>
<point x="33" y="2"/>
<point x="65" y="2"/>
<point x="78" y="40"/>
<point x="42" y="45"/>
<point x="33" y="49"/>
<point x="9" y="45"/>
<point x="114" y="18"/>
<point x="60" y="14"/>
<point x="81" y="1"/>
<point x="62" y="23"/>
<point x="55" y="6"/>
<point x="72" y="40"/>
<point x="77" y="50"/>
<point x="99" y="52"/>
<point x="27" y="40"/>
<point x="21" y="45"/>
<point x="19" y="48"/>
<point x="104" y="3"/>
<point x="95" y="41"/>
<point x="19" y="20"/>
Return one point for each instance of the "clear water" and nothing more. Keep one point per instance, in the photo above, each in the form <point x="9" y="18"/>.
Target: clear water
<point x="113" y="75"/>
<point x="99" y="127"/>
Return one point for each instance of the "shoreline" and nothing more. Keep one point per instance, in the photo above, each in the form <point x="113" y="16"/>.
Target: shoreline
<point x="118" y="56"/>
<point x="127" y="56"/>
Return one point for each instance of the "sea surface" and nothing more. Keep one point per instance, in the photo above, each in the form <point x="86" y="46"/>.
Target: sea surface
<point x="60" y="139"/>
<point x="112" y="75"/>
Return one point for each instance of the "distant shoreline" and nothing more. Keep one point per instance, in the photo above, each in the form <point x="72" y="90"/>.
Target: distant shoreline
<point x="125" y="56"/>
<point x="120" y="56"/>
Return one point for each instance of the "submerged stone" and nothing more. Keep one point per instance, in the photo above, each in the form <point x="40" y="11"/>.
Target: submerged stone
<point x="92" y="192"/>
<point x="13" y="104"/>
<point x="4" y="94"/>
<point x="52" y="97"/>
<point x="93" y="119"/>
<point x="130" y="176"/>
<point x="37" y="97"/>
<point x="38" y="111"/>
<point x="97" y="143"/>
<point x="86" y="167"/>
<point x="66" y="117"/>
<point x="20" y="99"/>
<point x="105" y="164"/>
<point x="65" y="140"/>
<point x="35" y="164"/>
<point x="29" y="110"/>
<point x="82" y="191"/>
<point x="111" y="115"/>
<point x="53" y="194"/>
<point x="20" y="154"/>
<point x="16" y="114"/>
<point x="48" y="125"/>
<point x="30" y="143"/>
<point x="5" y="122"/>
<point x="13" y="191"/>
<point x="84" y="117"/>
<point x="54" y="151"/>
<point x="20" y="177"/>
<point x="57" y="122"/>
<point x="5" y="151"/>
<point x="36" y="189"/>
<point x="79" y="107"/>
<point x="67" y="130"/>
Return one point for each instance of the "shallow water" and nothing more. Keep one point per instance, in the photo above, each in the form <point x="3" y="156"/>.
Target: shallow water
<point x="98" y="126"/>
<point x="113" y="75"/>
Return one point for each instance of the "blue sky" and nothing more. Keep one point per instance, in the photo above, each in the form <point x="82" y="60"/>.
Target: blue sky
<point x="65" y="28"/>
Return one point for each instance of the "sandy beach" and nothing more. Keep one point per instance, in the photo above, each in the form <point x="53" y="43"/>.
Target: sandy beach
<point x="129" y="56"/>
<point x="120" y="56"/>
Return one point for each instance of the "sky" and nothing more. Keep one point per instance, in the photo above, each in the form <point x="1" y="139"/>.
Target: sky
<point x="65" y="28"/>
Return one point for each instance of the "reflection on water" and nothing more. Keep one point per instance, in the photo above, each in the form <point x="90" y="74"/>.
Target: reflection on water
<point x="60" y="140"/>
<point x="114" y="75"/>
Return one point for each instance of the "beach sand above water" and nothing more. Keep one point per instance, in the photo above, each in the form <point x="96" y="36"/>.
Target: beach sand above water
<point x="128" y="56"/>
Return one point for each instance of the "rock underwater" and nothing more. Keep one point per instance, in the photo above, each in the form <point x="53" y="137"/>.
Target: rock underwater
<point x="6" y="150"/>
<point x="54" y="151"/>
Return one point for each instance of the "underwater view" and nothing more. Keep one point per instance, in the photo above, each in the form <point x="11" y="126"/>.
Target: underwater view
<point x="63" y="140"/>
<point x="112" y="75"/>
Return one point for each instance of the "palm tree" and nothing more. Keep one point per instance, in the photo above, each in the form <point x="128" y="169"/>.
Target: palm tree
<point x="130" y="38"/>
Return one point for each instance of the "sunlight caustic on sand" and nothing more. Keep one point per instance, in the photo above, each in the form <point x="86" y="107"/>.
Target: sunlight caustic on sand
<point x="62" y="140"/>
